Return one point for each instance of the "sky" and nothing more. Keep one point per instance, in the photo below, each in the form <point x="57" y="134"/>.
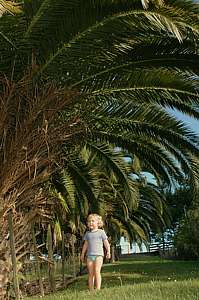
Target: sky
<point x="190" y="122"/>
<point x="193" y="124"/>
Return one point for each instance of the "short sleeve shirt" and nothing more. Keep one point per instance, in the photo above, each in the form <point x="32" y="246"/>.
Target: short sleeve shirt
<point x="95" y="242"/>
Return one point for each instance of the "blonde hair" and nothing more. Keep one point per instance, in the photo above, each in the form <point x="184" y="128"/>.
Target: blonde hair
<point x="98" y="217"/>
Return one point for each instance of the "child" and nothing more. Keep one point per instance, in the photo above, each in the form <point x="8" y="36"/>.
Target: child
<point x="94" y="239"/>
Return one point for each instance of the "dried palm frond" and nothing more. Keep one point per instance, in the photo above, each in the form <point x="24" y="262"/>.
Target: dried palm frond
<point x="9" y="6"/>
<point x="31" y="136"/>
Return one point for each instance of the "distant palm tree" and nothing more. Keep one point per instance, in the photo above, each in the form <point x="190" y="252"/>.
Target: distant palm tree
<point x="106" y="184"/>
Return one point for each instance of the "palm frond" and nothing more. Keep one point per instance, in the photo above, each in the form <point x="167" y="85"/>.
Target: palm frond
<point x="83" y="42"/>
<point x="114" y="163"/>
<point x="83" y="182"/>
<point x="9" y="6"/>
<point x="68" y="184"/>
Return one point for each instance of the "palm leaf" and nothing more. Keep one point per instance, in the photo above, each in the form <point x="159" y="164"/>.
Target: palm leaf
<point x="114" y="163"/>
<point x="9" y="6"/>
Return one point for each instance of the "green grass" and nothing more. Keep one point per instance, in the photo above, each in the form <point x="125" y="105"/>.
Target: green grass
<point x="148" y="278"/>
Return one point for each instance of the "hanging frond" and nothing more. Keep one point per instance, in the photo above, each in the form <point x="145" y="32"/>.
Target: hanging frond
<point x="9" y="6"/>
<point x="115" y="163"/>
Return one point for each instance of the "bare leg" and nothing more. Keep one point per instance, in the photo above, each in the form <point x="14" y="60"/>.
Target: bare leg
<point x="97" y="272"/>
<point x="91" y="273"/>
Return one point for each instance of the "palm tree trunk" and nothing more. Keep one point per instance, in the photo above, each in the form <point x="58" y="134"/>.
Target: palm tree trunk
<point x="63" y="257"/>
<point x="5" y="263"/>
<point x="13" y="255"/>
<point x="112" y="253"/>
<point x="73" y="255"/>
<point x="38" y="269"/>
<point x="50" y="260"/>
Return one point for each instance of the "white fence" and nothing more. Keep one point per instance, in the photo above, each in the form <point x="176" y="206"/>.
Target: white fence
<point x="127" y="248"/>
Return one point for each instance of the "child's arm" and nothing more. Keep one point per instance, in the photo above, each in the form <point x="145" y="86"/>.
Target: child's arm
<point x="84" y="250"/>
<point x="107" y="247"/>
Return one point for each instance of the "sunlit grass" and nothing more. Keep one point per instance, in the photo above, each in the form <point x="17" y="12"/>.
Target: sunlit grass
<point x="147" y="278"/>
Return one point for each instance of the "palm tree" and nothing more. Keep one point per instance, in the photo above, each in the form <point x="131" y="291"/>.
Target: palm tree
<point x="27" y="158"/>
<point x="108" y="186"/>
<point x="105" y="70"/>
<point x="103" y="182"/>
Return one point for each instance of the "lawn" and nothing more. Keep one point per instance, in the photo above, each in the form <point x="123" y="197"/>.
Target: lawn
<point x="146" y="278"/>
